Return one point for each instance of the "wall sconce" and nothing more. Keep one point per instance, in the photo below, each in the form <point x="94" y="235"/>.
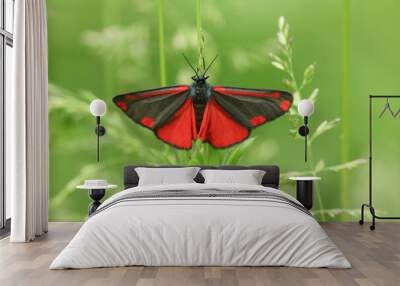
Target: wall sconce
<point x="305" y="108"/>
<point x="98" y="108"/>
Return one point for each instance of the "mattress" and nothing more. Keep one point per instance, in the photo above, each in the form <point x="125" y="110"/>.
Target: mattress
<point x="201" y="225"/>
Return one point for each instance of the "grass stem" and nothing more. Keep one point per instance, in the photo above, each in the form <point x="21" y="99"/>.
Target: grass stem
<point x="161" y="47"/>
<point x="344" y="153"/>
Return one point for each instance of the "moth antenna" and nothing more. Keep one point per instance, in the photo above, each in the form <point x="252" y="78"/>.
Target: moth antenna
<point x="187" y="60"/>
<point x="206" y="70"/>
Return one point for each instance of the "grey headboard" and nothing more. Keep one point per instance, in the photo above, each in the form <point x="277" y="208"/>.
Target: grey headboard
<point x="271" y="177"/>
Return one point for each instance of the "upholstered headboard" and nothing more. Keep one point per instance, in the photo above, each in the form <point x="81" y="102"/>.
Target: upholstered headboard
<point x="271" y="177"/>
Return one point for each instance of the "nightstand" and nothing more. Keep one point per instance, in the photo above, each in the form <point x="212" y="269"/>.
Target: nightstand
<point x="304" y="190"/>
<point x="96" y="193"/>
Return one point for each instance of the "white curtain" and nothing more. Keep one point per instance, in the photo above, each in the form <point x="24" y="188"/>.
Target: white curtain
<point x="27" y="124"/>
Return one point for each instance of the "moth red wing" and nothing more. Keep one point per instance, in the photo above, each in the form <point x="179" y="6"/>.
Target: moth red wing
<point x="219" y="129"/>
<point x="232" y="113"/>
<point x="181" y="129"/>
<point x="252" y="107"/>
<point x="168" y="112"/>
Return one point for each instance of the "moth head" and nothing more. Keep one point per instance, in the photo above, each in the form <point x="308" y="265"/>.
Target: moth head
<point x="200" y="78"/>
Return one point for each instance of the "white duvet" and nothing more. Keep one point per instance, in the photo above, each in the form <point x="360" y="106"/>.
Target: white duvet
<point x="200" y="231"/>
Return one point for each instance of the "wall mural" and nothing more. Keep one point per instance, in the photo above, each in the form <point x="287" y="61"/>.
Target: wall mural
<point x="220" y="116"/>
<point x="115" y="46"/>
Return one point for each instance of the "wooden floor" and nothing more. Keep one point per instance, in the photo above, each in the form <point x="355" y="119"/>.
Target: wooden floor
<point x="375" y="257"/>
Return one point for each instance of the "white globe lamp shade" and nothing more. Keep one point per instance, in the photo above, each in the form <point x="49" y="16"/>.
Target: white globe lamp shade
<point x="98" y="107"/>
<point x="305" y="107"/>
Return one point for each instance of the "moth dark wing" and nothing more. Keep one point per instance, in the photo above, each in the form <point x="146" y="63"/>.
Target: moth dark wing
<point x="167" y="111"/>
<point x="153" y="108"/>
<point x="252" y="107"/>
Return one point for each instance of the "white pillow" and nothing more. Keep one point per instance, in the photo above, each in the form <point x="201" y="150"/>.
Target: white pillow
<point x="247" y="177"/>
<point x="166" y="176"/>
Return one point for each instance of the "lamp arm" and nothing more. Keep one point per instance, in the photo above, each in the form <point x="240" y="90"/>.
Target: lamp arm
<point x="303" y="131"/>
<point x="305" y="138"/>
<point x="98" y="137"/>
<point x="100" y="131"/>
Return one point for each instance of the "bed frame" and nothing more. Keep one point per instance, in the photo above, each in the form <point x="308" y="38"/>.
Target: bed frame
<point x="270" y="179"/>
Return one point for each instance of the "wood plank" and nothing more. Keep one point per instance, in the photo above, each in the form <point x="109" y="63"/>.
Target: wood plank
<point x="375" y="257"/>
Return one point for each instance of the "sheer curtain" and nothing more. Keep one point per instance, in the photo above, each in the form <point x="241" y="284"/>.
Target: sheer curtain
<point x="27" y="124"/>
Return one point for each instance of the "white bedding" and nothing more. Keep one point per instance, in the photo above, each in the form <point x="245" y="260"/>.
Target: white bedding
<point x="200" y="231"/>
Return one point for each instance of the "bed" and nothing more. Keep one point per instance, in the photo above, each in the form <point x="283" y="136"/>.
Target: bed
<point x="198" y="224"/>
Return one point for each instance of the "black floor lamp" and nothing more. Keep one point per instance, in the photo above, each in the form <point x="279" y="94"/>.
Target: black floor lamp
<point x="98" y="108"/>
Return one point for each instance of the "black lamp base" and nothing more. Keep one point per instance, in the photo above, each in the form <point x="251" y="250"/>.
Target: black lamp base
<point x="96" y="195"/>
<point x="303" y="130"/>
<point x="100" y="130"/>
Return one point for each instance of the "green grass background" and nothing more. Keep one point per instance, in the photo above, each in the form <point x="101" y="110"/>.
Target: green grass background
<point x="101" y="48"/>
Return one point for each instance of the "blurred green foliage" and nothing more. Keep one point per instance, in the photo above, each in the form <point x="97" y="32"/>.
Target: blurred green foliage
<point x="103" y="48"/>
